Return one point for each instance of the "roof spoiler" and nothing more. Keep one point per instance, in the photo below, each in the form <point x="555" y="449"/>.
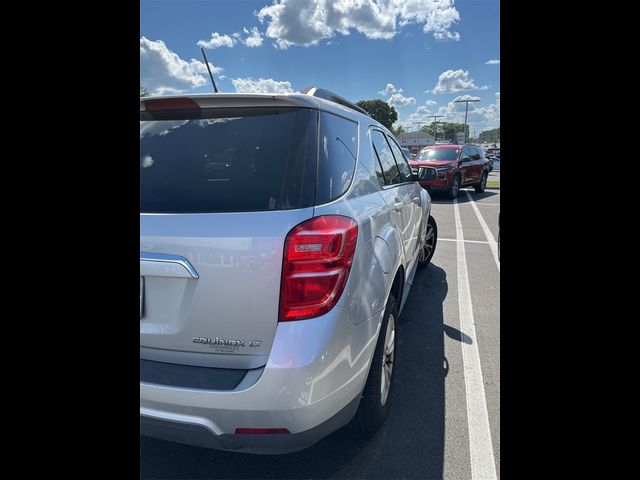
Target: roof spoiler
<point x="332" y="97"/>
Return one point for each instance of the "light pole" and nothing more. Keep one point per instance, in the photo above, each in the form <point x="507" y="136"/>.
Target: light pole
<point x="466" y="110"/>
<point x="435" y="118"/>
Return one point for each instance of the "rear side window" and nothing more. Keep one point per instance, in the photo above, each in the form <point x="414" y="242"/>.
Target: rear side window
<point x="337" y="156"/>
<point x="390" y="170"/>
<point x="228" y="161"/>
<point x="403" y="166"/>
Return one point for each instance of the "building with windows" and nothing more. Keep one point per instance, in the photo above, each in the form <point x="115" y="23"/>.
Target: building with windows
<point x="415" y="141"/>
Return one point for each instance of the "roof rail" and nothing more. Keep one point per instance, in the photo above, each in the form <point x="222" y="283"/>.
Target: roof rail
<point x="332" y="97"/>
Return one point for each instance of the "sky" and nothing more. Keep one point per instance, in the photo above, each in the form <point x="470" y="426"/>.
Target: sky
<point x="417" y="55"/>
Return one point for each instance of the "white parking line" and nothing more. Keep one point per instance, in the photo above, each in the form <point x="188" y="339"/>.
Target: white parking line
<point x="483" y="464"/>
<point x="467" y="241"/>
<point x="487" y="233"/>
<point x="485" y="203"/>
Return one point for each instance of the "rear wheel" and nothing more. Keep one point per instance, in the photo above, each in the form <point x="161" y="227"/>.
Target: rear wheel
<point x="480" y="187"/>
<point x="455" y="186"/>
<point x="429" y="243"/>
<point x="376" y="396"/>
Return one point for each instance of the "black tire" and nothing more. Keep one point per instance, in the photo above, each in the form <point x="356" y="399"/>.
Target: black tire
<point x="455" y="187"/>
<point x="372" y="412"/>
<point x="480" y="187"/>
<point x="431" y="240"/>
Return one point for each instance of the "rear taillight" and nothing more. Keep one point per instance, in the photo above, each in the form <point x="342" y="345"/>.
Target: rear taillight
<point x="317" y="258"/>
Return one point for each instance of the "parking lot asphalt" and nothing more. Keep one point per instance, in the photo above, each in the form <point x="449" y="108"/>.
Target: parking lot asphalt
<point x="445" y="418"/>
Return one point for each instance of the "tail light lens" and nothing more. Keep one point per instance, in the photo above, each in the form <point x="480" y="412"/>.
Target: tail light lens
<point x="317" y="258"/>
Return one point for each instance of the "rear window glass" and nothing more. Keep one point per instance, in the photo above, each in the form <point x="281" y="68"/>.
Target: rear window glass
<point x="229" y="161"/>
<point x="337" y="156"/>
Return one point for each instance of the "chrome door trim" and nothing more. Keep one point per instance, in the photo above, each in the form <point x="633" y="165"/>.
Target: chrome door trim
<point x="164" y="265"/>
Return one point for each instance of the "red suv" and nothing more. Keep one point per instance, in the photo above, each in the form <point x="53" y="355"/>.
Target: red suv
<point x="457" y="166"/>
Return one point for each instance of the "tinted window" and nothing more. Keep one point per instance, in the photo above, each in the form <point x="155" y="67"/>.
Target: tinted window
<point x="244" y="160"/>
<point x="474" y="152"/>
<point x="405" y="169"/>
<point x="466" y="152"/>
<point x="372" y="164"/>
<point x="437" y="154"/>
<point x="337" y="158"/>
<point x="383" y="151"/>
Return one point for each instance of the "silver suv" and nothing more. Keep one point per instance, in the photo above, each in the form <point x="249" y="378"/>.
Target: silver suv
<point x="279" y="237"/>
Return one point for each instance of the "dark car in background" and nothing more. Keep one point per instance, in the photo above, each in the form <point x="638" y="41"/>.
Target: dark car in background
<point x="457" y="166"/>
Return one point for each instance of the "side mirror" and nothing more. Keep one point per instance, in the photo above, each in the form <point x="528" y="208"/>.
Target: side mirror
<point x="465" y="159"/>
<point x="415" y="177"/>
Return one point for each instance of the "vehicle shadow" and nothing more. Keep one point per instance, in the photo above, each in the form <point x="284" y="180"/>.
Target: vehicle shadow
<point x="440" y="198"/>
<point x="409" y="445"/>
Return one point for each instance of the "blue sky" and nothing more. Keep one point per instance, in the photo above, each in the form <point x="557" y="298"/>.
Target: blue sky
<point x="434" y="51"/>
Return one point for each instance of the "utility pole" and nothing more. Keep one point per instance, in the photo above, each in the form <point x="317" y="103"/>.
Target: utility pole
<point x="419" y="123"/>
<point x="466" y="110"/>
<point x="435" y="118"/>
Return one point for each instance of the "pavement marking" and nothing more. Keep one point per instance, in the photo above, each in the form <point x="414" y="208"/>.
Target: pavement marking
<point x="468" y="241"/>
<point x="487" y="233"/>
<point x="483" y="465"/>
<point x="485" y="203"/>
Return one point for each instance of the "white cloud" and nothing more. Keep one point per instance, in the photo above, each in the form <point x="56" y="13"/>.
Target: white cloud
<point x="492" y="62"/>
<point x="389" y="89"/>
<point x="430" y="102"/>
<point x="479" y="117"/>
<point x="218" y="40"/>
<point x="262" y="85"/>
<point x="466" y="97"/>
<point x="423" y="109"/>
<point x="453" y="81"/>
<point x="306" y="22"/>
<point x="254" y="38"/>
<point x="398" y="99"/>
<point x="163" y="71"/>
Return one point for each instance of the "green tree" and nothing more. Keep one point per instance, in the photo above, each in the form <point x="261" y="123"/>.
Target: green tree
<point x="398" y="130"/>
<point x="144" y="92"/>
<point x="380" y="111"/>
<point x="490" y="136"/>
<point x="445" y="131"/>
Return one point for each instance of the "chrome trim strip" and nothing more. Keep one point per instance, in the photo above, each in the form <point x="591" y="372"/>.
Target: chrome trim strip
<point x="169" y="259"/>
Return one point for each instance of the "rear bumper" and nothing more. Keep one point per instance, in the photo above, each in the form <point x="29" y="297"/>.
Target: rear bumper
<point x="311" y="386"/>
<point x="201" y="436"/>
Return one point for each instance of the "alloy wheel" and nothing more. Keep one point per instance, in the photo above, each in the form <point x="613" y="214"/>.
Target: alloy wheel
<point x="387" y="360"/>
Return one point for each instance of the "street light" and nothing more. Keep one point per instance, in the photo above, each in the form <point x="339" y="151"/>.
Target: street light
<point x="466" y="109"/>
<point x="435" y="118"/>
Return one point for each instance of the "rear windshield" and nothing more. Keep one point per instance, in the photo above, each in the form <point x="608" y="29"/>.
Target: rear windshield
<point x="435" y="154"/>
<point x="229" y="160"/>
